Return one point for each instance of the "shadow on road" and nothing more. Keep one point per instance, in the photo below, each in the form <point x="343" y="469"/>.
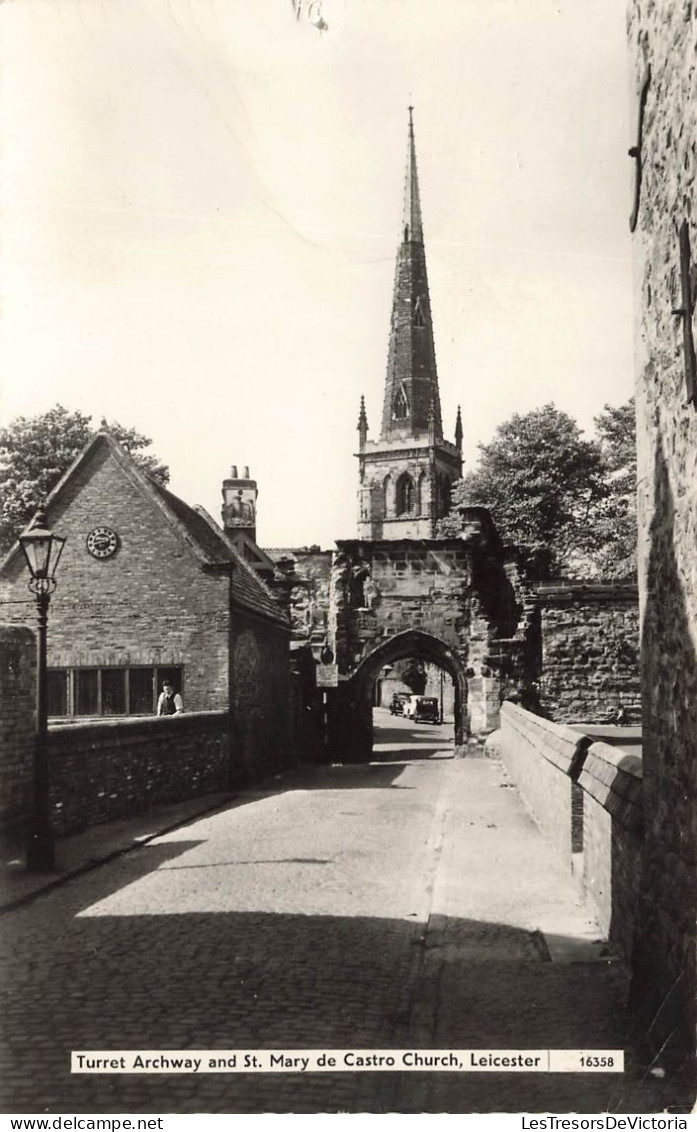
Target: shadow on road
<point x="245" y="980"/>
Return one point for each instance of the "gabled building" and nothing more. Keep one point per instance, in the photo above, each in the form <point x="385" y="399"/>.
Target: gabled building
<point x="406" y="475"/>
<point x="149" y="589"/>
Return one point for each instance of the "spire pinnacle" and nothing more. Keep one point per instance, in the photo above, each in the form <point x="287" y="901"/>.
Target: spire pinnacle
<point x="411" y="385"/>
<point x="411" y="225"/>
<point x="458" y="430"/>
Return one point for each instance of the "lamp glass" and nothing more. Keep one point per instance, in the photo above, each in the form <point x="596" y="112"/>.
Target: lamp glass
<point x="42" y="550"/>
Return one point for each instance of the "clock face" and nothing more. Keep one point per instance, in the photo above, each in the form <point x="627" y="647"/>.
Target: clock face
<point x="102" y="542"/>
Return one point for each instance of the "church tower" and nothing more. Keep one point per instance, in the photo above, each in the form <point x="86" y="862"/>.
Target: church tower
<point x="405" y="477"/>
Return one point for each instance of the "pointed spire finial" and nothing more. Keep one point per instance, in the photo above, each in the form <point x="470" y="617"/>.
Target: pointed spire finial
<point x="413" y="230"/>
<point x="362" y="425"/>
<point x="458" y="431"/>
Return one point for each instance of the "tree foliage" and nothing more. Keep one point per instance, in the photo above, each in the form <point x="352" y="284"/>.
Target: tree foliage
<point x="36" y="451"/>
<point x="615" y="520"/>
<point x="412" y="671"/>
<point x="557" y="495"/>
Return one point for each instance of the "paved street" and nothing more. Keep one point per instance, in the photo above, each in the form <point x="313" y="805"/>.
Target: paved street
<point x="406" y="903"/>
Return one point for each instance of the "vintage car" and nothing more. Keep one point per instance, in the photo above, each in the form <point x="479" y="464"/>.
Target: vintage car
<point x="398" y="703"/>
<point x="423" y="709"/>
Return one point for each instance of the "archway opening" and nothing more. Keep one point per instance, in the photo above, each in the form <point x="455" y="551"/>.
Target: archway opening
<point x="413" y="709"/>
<point x="426" y="666"/>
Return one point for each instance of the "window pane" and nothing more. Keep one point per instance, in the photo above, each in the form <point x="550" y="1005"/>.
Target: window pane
<point x="86" y="691"/>
<point x="113" y="691"/>
<point x="141" y="692"/>
<point x="57" y="691"/>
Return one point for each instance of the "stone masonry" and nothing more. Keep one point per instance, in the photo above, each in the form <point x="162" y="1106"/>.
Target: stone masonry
<point x="663" y="50"/>
<point x="590" y="651"/>
<point x="17" y="719"/>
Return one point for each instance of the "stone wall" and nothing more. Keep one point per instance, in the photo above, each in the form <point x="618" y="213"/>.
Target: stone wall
<point x="611" y="780"/>
<point x="17" y="719"/>
<point x="556" y="768"/>
<point x="382" y="589"/>
<point x="543" y="759"/>
<point x="260" y="697"/>
<point x="663" y="36"/>
<point x="102" y="771"/>
<point x="590" y="652"/>
<point x="303" y="576"/>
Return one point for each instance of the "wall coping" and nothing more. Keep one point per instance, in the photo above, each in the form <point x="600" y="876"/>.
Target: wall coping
<point x="135" y="725"/>
<point x="614" y="779"/>
<point x="556" y="742"/>
<point x="566" y="592"/>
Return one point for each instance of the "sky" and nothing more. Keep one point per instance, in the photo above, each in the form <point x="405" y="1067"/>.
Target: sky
<point x="201" y="209"/>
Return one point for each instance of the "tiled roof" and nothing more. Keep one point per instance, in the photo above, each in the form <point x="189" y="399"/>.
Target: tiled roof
<point x="276" y="553"/>
<point x="211" y="543"/>
<point x="248" y="589"/>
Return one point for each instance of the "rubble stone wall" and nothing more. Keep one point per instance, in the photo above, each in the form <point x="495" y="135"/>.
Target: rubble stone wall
<point x="663" y="36"/>
<point x="590" y="652"/>
<point x="103" y="771"/>
<point x="17" y="719"/>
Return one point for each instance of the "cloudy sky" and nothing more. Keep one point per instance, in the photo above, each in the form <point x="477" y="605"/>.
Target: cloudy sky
<point x="201" y="208"/>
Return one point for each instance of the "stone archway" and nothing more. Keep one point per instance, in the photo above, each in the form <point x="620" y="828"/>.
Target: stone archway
<point x="352" y="718"/>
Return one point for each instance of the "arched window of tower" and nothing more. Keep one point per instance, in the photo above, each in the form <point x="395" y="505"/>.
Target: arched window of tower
<point x="405" y="494"/>
<point x="389" y="493"/>
<point x="421" y="494"/>
<point x="418" y="313"/>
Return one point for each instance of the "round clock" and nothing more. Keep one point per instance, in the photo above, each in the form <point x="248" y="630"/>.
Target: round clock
<point x="102" y="542"/>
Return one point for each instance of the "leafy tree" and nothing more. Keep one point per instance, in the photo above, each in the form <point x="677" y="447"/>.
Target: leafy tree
<point x="36" y="451"/>
<point x="615" y="519"/>
<point x="413" y="672"/>
<point x="541" y="481"/>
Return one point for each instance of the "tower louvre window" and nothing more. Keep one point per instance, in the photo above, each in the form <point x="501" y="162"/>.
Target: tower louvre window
<point x="418" y="313"/>
<point x="405" y="494"/>
<point x="401" y="405"/>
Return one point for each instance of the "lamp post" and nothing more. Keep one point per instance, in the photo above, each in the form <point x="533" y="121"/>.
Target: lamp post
<point x="42" y="550"/>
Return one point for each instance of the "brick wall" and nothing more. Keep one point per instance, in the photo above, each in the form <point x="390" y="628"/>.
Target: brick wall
<point x="663" y="35"/>
<point x="149" y="604"/>
<point x="590" y="652"/>
<point x="17" y="719"/>
<point x="112" y="769"/>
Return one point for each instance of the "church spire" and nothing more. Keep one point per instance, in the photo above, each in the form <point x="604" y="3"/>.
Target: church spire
<point x="411" y="385"/>
<point x="413" y="229"/>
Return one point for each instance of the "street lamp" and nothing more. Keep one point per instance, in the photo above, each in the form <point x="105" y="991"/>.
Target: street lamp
<point x="42" y="550"/>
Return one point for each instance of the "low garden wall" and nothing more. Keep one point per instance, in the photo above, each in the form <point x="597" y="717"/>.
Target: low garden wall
<point x="111" y="769"/>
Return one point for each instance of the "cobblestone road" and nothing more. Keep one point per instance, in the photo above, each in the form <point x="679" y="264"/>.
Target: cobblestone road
<point x="408" y="903"/>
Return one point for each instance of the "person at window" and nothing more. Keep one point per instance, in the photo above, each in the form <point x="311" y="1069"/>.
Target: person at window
<point x="170" y="702"/>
